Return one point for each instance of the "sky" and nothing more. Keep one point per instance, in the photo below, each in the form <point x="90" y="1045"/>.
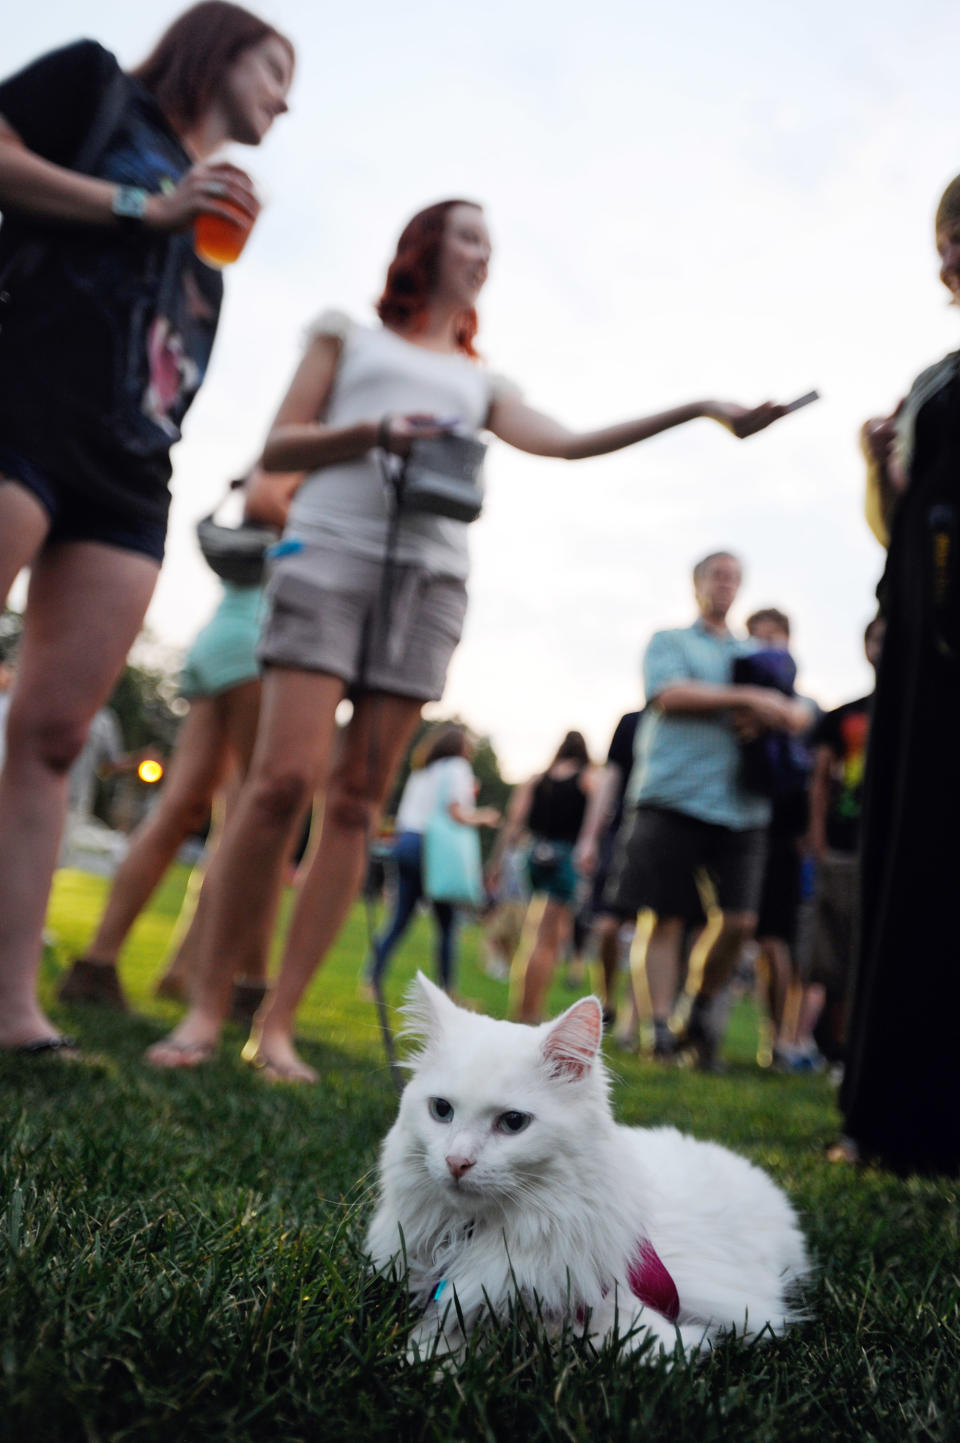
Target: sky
<point x="686" y="202"/>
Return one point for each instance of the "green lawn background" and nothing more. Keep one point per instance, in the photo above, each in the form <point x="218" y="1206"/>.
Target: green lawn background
<point x="182" y="1253"/>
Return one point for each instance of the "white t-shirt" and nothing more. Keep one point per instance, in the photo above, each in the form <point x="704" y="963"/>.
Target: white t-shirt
<point x="378" y="374"/>
<point x="449" y="778"/>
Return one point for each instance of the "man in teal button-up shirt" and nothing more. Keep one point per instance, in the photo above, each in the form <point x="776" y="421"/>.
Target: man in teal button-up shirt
<point x="692" y="814"/>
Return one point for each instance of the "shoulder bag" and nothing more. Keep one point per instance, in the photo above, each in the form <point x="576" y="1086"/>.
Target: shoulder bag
<point x="452" y="869"/>
<point x="441" y="475"/>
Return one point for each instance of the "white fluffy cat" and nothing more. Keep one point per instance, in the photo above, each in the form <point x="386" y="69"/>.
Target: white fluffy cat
<point x="505" y="1171"/>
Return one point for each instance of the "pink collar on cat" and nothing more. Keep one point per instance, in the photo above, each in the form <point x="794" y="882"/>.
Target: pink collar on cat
<point x="650" y="1281"/>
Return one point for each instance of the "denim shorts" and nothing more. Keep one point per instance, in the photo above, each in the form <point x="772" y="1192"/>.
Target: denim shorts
<point x="550" y="869"/>
<point x="75" y="517"/>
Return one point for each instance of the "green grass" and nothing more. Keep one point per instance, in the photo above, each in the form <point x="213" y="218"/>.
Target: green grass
<point x="182" y="1259"/>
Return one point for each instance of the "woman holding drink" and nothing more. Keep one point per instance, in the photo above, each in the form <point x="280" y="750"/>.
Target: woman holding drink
<point x="108" y="318"/>
<point x="362" y="394"/>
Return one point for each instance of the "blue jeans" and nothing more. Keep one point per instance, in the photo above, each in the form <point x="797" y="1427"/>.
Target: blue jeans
<point x="407" y="857"/>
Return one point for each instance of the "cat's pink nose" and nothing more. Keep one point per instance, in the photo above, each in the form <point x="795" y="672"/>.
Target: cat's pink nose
<point x="459" y="1165"/>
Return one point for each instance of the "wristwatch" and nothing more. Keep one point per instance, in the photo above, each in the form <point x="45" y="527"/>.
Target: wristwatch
<point x="129" y="205"/>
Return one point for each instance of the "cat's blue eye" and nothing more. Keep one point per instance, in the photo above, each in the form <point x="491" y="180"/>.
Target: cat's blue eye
<point x="513" y="1121"/>
<point x="440" y="1109"/>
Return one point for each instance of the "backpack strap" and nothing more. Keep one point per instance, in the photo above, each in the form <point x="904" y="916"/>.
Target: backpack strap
<point x="115" y="95"/>
<point x="26" y="259"/>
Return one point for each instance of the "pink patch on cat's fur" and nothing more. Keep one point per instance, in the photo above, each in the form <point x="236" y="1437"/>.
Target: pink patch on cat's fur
<point x="651" y="1283"/>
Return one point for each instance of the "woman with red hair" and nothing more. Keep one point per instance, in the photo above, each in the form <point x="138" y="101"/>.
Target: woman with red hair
<point x="360" y="395"/>
<point x="108" y="317"/>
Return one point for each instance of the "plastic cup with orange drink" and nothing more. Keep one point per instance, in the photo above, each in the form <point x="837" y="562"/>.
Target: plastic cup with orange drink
<point x="218" y="239"/>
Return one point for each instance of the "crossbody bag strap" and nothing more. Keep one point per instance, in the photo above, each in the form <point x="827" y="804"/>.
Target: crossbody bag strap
<point x="114" y="98"/>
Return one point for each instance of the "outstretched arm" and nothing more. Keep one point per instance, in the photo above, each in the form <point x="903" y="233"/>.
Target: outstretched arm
<point x="600" y="809"/>
<point x="518" y="810"/>
<point x="529" y="430"/>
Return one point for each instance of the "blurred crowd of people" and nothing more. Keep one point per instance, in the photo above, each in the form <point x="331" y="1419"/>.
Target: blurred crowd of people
<point x="729" y="810"/>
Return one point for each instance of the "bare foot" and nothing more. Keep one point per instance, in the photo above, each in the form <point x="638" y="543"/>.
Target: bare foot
<point x="19" y="1029"/>
<point x="274" y="1057"/>
<point x="845" y="1150"/>
<point x="191" y="1044"/>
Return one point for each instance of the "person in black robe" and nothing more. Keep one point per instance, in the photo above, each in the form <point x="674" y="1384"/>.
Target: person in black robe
<point x="901" y="1090"/>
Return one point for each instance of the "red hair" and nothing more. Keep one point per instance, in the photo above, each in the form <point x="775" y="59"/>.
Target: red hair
<point x="186" y="66"/>
<point x="412" y="276"/>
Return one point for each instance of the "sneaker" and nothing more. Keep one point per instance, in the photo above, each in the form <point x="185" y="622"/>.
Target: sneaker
<point x="699" y="1038"/>
<point x="809" y="1059"/>
<point x="94" y="983"/>
<point x="797" y="1060"/>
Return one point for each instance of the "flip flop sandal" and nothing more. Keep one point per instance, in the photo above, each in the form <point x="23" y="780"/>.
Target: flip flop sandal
<point x="48" y="1044"/>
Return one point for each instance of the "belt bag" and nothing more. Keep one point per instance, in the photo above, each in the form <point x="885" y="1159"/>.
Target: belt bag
<point x="235" y="553"/>
<point x="442" y="476"/>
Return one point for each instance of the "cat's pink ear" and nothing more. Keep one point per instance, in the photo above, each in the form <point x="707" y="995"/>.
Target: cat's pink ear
<point x="573" y="1041"/>
<point x="426" y="1009"/>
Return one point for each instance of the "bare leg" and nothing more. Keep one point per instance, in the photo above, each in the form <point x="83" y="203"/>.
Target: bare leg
<point x="607" y="936"/>
<point x="779" y="975"/>
<point x="812" y="1003"/>
<point x="377" y="738"/>
<point x="292" y="753"/>
<point x="85" y="606"/>
<point x="720" y="962"/>
<point x="553" y="933"/>
<point x="23" y="529"/>
<point x="524" y="950"/>
<point x="196" y="770"/>
<point x="706" y="1026"/>
<point x="185" y="948"/>
<point x="236" y="711"/>
<point x="663" y="966"/>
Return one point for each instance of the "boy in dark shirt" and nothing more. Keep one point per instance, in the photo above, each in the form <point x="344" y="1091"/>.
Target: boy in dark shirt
<point x="840" y="743"/>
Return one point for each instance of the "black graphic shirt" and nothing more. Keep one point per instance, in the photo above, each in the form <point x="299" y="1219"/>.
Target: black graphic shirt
<point x="844" y="731"/>
<point x="108" y="331"/>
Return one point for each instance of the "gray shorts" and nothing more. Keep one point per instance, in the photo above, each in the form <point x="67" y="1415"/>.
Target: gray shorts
<point x="325" y="612"/>
<point x="836" y="922"/>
